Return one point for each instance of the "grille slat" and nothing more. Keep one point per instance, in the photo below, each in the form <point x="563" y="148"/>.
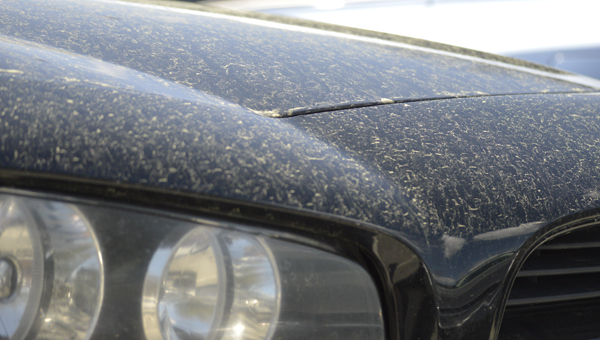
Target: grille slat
<point x="552" y="298"/>
<point x="554" y="289"/>
<point x="564" y="268"/>
<point x="558" y="271"/>
<point x="560" y="278"/>
<point x="569" y="245"/>
<point x="574" y="261"/>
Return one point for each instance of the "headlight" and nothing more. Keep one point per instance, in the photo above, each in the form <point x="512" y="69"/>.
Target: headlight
<point x="170" y="278"/>
<point x="52" y="277"/>
<point x="211" y="283"/>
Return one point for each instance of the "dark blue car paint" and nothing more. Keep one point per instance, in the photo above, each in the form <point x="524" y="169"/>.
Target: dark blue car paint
<point x="187" y="102"/>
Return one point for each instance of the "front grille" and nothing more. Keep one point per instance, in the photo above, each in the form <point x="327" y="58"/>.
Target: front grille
<point x="557" y="291"/>
<point x="566" y="268"/>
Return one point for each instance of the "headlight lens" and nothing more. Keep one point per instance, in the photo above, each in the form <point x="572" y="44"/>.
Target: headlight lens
<point x="211" y="283"/>
<point x="211" y="286"/>
<point x="23" y="260"/>
<point x="52" y="277"/>
<point x="169" y="278"/>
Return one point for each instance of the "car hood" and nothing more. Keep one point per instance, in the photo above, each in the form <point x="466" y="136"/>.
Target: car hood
<point x="268" y="67"/>
<point x="480" y="174"/>
<point x="185" y="101"/>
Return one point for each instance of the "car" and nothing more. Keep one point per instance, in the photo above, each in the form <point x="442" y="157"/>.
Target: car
<point x="171" y="171"/>
<point x="555" y="33"/>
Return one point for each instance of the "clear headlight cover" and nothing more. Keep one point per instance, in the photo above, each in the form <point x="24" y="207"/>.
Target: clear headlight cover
<point x="169" y="277"/>
<point x="51" y="276"/>
<point x="210" y="283"/>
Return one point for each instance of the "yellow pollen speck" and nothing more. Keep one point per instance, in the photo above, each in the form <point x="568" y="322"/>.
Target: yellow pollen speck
<point x="11" y="71"/>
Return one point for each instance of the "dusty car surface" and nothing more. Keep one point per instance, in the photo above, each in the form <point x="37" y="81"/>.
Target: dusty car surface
<point x="171" y="171"/>
<point x="556" y="33"/>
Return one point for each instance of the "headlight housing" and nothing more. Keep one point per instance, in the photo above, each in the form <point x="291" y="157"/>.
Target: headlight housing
<point x="54" y="282"/>
<point x="148" y="275"/>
